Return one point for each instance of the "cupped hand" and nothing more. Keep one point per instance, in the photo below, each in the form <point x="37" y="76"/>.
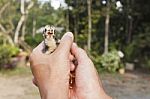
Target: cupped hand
<point x="87" y="82"/>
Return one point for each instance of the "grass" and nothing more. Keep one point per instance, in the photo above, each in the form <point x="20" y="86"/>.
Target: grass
<point x="18" y="71"/>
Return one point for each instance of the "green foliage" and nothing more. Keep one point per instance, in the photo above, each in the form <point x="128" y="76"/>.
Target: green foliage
<point x="10" y="15"/>
<point x="6" y="53"/>
<point x="147" y="63"/>
<point x="110" y="61"/>
<point x="96" y="58"/>
<point x="138" y="49"/>
<point x="130" y="52"/>
<point x="34" y="41"/>
<point x="44" y="14"/>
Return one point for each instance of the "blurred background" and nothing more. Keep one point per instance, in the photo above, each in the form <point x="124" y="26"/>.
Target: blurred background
<point x="115" y="34"/>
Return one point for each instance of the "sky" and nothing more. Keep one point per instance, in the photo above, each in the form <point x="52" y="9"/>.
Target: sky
<point x="55" y="3"/>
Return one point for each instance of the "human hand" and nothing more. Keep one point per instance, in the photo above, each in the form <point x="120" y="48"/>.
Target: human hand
<point x="87" y="83"/>
<point x="51" y="72"/>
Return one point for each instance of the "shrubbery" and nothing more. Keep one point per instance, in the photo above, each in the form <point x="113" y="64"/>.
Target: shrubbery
<point x="6" y="53"/>
<point x="110" y="61"/>
<point x="138" y="51"/>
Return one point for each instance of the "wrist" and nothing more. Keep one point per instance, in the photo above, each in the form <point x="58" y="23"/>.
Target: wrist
<point x="56" y="88"/>
<point x="56" y="91"/>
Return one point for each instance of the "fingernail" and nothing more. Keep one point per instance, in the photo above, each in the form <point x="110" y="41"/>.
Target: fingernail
<point x="74" y="44"/>
<point x="69" y="34"/>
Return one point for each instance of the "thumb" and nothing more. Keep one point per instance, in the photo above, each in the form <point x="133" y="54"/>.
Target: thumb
<point x="65" y="44"/>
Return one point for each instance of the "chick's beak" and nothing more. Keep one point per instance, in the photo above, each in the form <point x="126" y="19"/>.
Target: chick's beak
<point x="49" y="33"/>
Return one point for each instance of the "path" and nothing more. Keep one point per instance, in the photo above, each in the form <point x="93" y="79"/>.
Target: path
<point x="128" y="86"/>
<point x="18" y="87"/>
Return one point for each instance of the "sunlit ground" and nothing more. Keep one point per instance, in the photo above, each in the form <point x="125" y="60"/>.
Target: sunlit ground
<point x="17" y="84"/>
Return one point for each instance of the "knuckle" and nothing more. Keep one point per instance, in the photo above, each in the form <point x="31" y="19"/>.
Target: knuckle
<point x="34" y="50"/>
<point x="31" y="57"/>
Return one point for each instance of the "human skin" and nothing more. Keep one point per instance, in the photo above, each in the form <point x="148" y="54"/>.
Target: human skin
<point x="51" y="72"/>
<point x="87" y="82"/>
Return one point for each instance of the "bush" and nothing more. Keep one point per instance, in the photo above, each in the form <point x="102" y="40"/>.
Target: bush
<point x="110" y="61"/>
<point x="138" y="51"/>
<point x="6" y="53"/>
<point x="148" y="63"/>
<point x="96" y="58"/>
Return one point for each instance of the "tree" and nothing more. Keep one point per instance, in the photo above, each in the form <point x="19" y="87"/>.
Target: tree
<point x="24" y="12"/>
<point x="129" y="19"/>
<point x="67" y="18"/>
<point x="107" y="26"/>
<point x="4" y="31"/>
<point x="89" y="2"/>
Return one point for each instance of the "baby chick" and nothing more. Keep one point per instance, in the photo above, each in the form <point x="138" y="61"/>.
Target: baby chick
<point x="50" y="40"/>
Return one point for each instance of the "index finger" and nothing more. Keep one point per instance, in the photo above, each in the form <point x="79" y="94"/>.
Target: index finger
<point x="79" y="54"/>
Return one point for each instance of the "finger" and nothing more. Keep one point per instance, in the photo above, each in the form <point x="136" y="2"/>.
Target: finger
<point x="71" y="57"/>
<point x="65" y="44"/>
<point x="72" y="66"/>
<point x="85" y="66"/>
<point x="34" y="81"/>
<point x="79" y="53"/>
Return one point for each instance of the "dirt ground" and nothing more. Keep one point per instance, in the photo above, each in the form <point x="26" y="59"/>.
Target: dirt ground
<point x="18" y="87"/>
<point x="127" y="86"/>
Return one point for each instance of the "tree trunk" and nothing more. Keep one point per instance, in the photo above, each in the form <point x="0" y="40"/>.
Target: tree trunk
<point x="24" y="13"/>
<point x="75" y="28"/>
<point x="25" y="18"/>
<point x="130" y="30"/>
<point x="16" y="37"/>
<point x="2" y="28"/>
<point x="89" y="2"/>
<point x="107" y="27"/>
<point x="3" y="8"/>
<point x="34" y="28"/>
<point x="5" y="33"/>
<point x="67" y="19"/>
<point x="130" y="20"/>
<point x="23" y="29"/>
<point x="76" y="21"/>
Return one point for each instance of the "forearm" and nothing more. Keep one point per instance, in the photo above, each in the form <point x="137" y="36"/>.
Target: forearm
<point x="57" y="89"/>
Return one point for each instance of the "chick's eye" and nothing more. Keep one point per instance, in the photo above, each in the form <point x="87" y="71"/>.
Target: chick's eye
<point x="45" y="30"/>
